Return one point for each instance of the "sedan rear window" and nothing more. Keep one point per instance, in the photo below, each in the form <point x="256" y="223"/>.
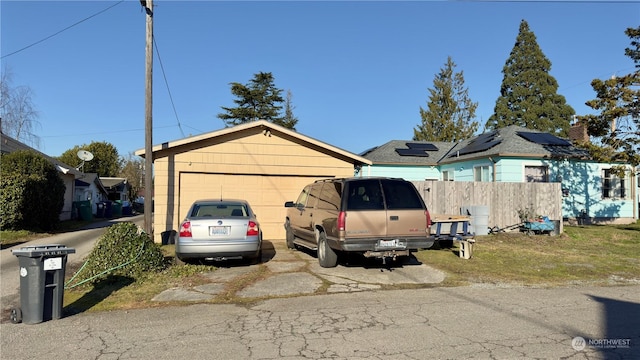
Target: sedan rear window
<point x="219" y="210"/>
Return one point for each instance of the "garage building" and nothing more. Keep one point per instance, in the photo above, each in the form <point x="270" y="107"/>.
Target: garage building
<point x="259" y="161"/>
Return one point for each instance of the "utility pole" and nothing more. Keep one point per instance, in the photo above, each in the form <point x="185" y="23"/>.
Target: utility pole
<point x="148" y="109"/>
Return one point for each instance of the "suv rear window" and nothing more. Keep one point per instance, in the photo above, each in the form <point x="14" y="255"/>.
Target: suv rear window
<point x="401" y="195"/>
<point x="365" y="195"/>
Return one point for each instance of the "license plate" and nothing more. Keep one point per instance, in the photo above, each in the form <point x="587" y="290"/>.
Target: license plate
<point x="219" y="230"/>
<point x="388" y="243"/>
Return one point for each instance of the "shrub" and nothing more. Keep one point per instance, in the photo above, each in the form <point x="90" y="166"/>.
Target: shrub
<point x="123" y="251"/>
<point x="32" y="193"/>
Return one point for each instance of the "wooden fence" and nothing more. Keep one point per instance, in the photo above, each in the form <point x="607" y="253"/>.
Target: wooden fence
<point x="503" y="199"/>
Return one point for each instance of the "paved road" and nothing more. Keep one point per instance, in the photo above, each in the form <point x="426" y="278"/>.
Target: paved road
<point x="353" y="319"/>
<point x="81" y="240"/>
<point x="437" y="323"/>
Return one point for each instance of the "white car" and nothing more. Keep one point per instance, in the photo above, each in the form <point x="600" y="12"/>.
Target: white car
<point x="217" y="230"/>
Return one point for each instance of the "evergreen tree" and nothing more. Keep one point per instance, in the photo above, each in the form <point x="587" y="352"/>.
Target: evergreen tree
<point x="450" y="111"/>
<point x="258" y="100"/>
<point x="528" y="94"/>
<point x="617" y="126"/>
<point x="289" y="120"/>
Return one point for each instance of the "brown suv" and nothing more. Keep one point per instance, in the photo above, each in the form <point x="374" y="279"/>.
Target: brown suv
<point x="377" y="217"/>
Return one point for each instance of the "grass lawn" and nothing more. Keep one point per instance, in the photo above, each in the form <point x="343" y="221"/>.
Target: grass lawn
<point x="583" y="254"/>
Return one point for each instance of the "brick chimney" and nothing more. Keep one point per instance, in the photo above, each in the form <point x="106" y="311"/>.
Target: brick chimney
<point x="578" y="132"/>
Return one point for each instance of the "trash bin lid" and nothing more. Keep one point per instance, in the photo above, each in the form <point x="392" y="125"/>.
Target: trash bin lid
<point x="43" y="250"/>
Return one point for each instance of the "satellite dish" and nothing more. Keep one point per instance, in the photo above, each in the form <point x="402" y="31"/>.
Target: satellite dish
<point x="84" y="155"/>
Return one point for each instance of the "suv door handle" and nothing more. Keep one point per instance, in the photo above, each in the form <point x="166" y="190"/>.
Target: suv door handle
<point x="394" y="218"/>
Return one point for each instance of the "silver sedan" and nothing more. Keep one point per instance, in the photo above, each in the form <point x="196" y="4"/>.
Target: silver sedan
<point x="219" y="230"/>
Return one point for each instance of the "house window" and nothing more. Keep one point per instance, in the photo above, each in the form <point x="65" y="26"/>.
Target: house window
<point x="447" y="175"/>
<point x="614" y="186"/>
<point x="536" y="174"/>
<point x="482" y="173"/>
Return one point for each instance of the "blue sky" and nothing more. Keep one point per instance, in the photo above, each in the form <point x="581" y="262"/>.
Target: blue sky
<point x="358" y="71"/>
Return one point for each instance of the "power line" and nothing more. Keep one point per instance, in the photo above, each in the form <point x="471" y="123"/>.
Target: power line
<point x="65" y="29"/>
<point x="164" y="75"/>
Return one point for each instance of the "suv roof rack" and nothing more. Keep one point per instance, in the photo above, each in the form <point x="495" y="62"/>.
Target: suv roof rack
<point x="357" y="178"/>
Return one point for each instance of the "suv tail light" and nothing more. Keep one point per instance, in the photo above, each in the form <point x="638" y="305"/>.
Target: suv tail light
<point x="252" y="229"/>
<point x="185" y="229"/>
<point x="342" y="220"/>
<point x="426" y="213"/>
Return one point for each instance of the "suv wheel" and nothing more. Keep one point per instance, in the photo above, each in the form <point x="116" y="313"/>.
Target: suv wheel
<point x="326" y="256"/>
<point x="289" y="232"/>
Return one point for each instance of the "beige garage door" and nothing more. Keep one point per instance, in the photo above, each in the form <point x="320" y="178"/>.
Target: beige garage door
<point x="266" y="194"/>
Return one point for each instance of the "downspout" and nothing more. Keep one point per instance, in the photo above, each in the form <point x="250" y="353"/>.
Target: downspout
<point x="493" y="169"/>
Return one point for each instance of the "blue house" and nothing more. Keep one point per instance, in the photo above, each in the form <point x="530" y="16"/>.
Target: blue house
<point x="591" y="191"/>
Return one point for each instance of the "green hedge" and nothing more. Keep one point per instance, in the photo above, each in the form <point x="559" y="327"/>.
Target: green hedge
<point x="32" y="194"/>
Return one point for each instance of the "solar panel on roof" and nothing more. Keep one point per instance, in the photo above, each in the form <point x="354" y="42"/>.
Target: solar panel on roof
<point x="416" y="149"/>
<point x="481" y="143"/>
<point x="477" y="147"/>
<point x="543" y="138"/>
<point x="412" y="152"/>
<point x="422" y="146"/>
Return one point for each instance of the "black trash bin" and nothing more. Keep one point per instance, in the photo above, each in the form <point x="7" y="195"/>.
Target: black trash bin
<point x="108" y="211"/>
<point x="168" y="237"/>
<point x="100" y="207"/>
<point x="42" y="270"/>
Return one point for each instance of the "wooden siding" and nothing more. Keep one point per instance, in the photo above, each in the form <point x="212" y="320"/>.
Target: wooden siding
<point x="265" y="170"/>
<point x="502" y="199"/>
<point x="266" y="194"/>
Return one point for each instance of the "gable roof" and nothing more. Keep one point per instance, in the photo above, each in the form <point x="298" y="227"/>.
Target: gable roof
<point x="9" y="145"/>
<point x="112" y="182"/>
<point x="403" y="152"/>
<point x="514" y="141"/>
<point x="247" y="129"/>
<point x="89" y="178"/>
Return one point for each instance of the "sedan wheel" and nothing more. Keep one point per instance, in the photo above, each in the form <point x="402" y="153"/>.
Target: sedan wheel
<point x="327" y="257"/>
